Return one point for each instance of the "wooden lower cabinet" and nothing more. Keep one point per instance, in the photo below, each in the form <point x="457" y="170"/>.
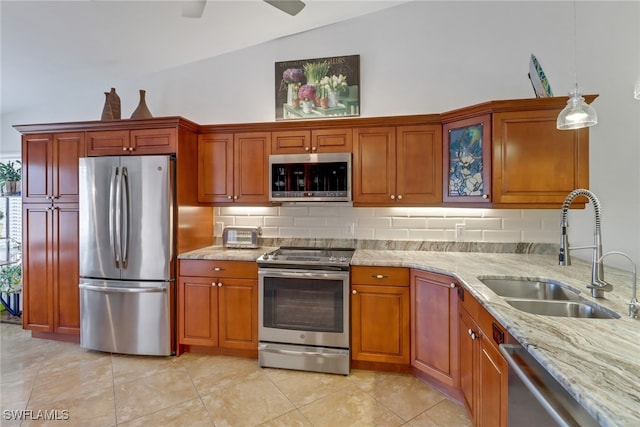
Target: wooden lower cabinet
<point x="483" y="370"/>
<point x="380" y="315"/>
<point x="51" y="269"/>
<point x="434" y="326"/>
<point x="220" y="308"/>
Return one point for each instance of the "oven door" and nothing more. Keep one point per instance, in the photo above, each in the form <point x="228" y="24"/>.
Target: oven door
<point x="306" y="307"/>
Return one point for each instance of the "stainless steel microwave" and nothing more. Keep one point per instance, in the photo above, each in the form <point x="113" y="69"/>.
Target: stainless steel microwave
<point x="317" y="177"/>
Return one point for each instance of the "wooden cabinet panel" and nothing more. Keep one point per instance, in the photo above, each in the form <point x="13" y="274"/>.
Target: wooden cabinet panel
<point x="533" y="162"/>
<point x="419" y="165"/>
<point x="50" y="167"/>
<point x="332" y="140"/>
<point x="66" y="269"/>
<point x="132" y="142"/>
<point x="374" y="165"/>
<point x="290" y="142"/>
<point x="37" y="265"/>
<point x="380" y="324"/>
<point x="468" y="354"/>
<point x="493" y="383"/>
<point x="215" y="168"/>
<point x="108" y="143"/>
<point x="198" y="311"/>
<point x="215" y="268"/>
<point x="434" y="328"/>
<point x="251" y="167"/>
<point x="238" y="302"/>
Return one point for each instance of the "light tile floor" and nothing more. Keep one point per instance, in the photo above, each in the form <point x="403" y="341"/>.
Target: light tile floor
<point x="99" y="389"/>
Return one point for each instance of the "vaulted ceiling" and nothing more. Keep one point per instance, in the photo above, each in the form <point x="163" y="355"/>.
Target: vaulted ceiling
<point x="48" y="46"/>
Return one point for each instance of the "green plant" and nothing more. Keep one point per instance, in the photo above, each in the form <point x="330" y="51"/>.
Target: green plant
<point x="314" y="71"/>
<point x="10" y="171"/>
<point x="10" y="277"/>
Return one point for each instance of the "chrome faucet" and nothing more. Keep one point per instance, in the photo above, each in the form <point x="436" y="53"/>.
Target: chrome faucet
<point x="598" y="285"/>
<point x="634" y="306"/>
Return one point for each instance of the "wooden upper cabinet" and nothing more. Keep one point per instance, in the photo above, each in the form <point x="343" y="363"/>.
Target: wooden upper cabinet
<point x="233" y="168"/>
<point x="50" y="167"/>
<point x="302" y="141"/>
<point x="132" y="142"/>
<point x="397" y="166"/>
<point x="535" y="163"/>
<point x="374" y="165"/>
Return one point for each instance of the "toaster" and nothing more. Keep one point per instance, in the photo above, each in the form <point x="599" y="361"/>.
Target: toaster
<point x="241" y="237"/>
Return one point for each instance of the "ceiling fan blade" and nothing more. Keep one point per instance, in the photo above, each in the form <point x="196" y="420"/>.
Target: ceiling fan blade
<point x="193" y="8"/>
<point x="292" y="7"/>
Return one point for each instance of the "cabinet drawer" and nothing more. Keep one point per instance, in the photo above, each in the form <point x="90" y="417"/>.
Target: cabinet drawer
<point x="496" y="334"/>
<point x="389" y="276"/>
<point x="469" y="303"/>
<point x="212" y="268"/>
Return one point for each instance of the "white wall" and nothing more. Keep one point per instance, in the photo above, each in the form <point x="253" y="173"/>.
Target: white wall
<point x="430" y="57"/>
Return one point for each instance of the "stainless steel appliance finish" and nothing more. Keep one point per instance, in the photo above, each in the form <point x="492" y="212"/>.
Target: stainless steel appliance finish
<point x="241" y="237"/>
<point x="317" y="177"/>
<point x="535" y="397"/>
<point x="127" y="254"/>
<point x="303" y="309"/>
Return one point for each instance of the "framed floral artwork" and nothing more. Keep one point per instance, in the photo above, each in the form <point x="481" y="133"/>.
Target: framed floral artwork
<point x="318" y="88"/>
<point x="467" y="160"/>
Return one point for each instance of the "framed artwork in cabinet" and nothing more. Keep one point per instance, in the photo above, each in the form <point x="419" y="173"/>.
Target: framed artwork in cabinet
<point x="467" y="160"/>
<point x="318" y="88"/>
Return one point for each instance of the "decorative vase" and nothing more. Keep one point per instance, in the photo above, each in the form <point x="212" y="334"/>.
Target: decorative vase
<point x="296" y="103"/>
<point x="333" y="98"/>
<point x="324" y="103"/>
<point x="292" y="93"/>
<point x="306" y="106"/>
<point x="142" y="111"/>
<point x="107" y="114"/>
<point x="114" y="103"/>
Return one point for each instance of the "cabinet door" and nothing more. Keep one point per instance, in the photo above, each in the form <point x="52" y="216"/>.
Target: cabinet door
<point x="290" y="142"/>
<point x="466" y="158"/>
<point x="37" y="168"/>
<point x="37" y="267"/>
<point x="65" y="271"/>
<point x="108" y="143"/>
<point x="380" y="324"/>
<point x="374" y="166"/>
<point x="238" y="313"/>
<point x="332" y="140"/>
<point x="468" y="351"/>
<point x="533" y="162"/>
<point x="154" y="141"/>
<point x="419" y="165"/>
<point x="215" y="168"/>
<point x="198" y="311"/>
<point x="67" y="149"/>
<point x="434" y="326"/>
<point x="493" y="383"/>
<point x="251" y="167"/>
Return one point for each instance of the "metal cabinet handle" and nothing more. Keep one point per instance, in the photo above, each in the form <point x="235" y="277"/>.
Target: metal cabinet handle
<point x="229" y="197"/>
<point x="130" y="148"/>
<point x="235" y="197"/>
<point x="217" y="269"/>
<point x="393" y="197"/>
<point x="314" y="148"/>
<point x="399" y="196"/>
<point x="472" y="334"/>
<point x="354" y="292"/>
<point x="485" y="196"/>
<point x="124" y="148"/>
<point x="379" y="276"/>
<point x="213" y="283"/>
<point x="452" y="285"/>
<point x="219" y="284"/>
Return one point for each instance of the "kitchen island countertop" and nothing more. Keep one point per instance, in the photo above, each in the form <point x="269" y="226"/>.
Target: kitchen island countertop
<point x="596" y="360"/>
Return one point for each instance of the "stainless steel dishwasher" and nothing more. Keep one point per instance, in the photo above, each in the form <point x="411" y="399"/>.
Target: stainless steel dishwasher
<point x="536" y="398"/>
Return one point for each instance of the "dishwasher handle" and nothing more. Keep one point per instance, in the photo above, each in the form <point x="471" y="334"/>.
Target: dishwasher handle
<point x="106" y="289"/>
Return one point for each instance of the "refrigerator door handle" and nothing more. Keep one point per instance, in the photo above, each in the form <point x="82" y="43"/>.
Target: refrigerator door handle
<point x="120" y="290"/>
<point x="126" y="217"/>
<point x="113" y="216"/>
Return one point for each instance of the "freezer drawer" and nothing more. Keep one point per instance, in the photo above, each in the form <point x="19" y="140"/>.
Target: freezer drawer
<point x="126" y="317"/>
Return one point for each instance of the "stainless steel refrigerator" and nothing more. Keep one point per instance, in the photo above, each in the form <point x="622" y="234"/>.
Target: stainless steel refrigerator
<point x="126" y="254"/>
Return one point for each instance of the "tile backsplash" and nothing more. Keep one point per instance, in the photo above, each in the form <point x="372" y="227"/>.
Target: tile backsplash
<point x="431" y="224"/>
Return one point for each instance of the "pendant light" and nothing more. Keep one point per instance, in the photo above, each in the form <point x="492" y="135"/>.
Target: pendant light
<point x="636" y="89"/>
<point x="577" y="114"/>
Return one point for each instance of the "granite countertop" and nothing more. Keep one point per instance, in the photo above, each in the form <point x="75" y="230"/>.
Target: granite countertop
<point x="596" y="360"/>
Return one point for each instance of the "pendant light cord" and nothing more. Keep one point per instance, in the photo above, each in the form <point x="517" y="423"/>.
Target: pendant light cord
<point x="575" y="46"/>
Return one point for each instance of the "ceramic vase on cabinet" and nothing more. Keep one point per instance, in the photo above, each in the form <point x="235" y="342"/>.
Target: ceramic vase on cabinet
<point x="142" y="111"/>
<point x="107" y="114"/>
<point x="114" y="102"/>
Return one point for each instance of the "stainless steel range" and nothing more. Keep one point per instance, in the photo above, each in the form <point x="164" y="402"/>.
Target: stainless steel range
<point x="303" y="311"/>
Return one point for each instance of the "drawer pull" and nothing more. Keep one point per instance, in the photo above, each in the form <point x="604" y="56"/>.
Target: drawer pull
<point x="217" y="269"/>
<point x="379" y="276"/>
<point x="452" y="285"/>
<point x="354" y="292"/>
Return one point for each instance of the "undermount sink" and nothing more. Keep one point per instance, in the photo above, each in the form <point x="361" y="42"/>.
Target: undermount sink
<point x="546" y="298"/>
<point x="530" y="289"/>
<point x="562" y="308"/>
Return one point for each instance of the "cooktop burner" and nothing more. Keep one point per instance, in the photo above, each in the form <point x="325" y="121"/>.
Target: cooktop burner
<point x="311" y="258"/>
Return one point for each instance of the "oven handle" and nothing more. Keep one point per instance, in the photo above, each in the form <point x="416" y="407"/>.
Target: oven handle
<point x="315" y="274"/>
<point x="303" y="353"/>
